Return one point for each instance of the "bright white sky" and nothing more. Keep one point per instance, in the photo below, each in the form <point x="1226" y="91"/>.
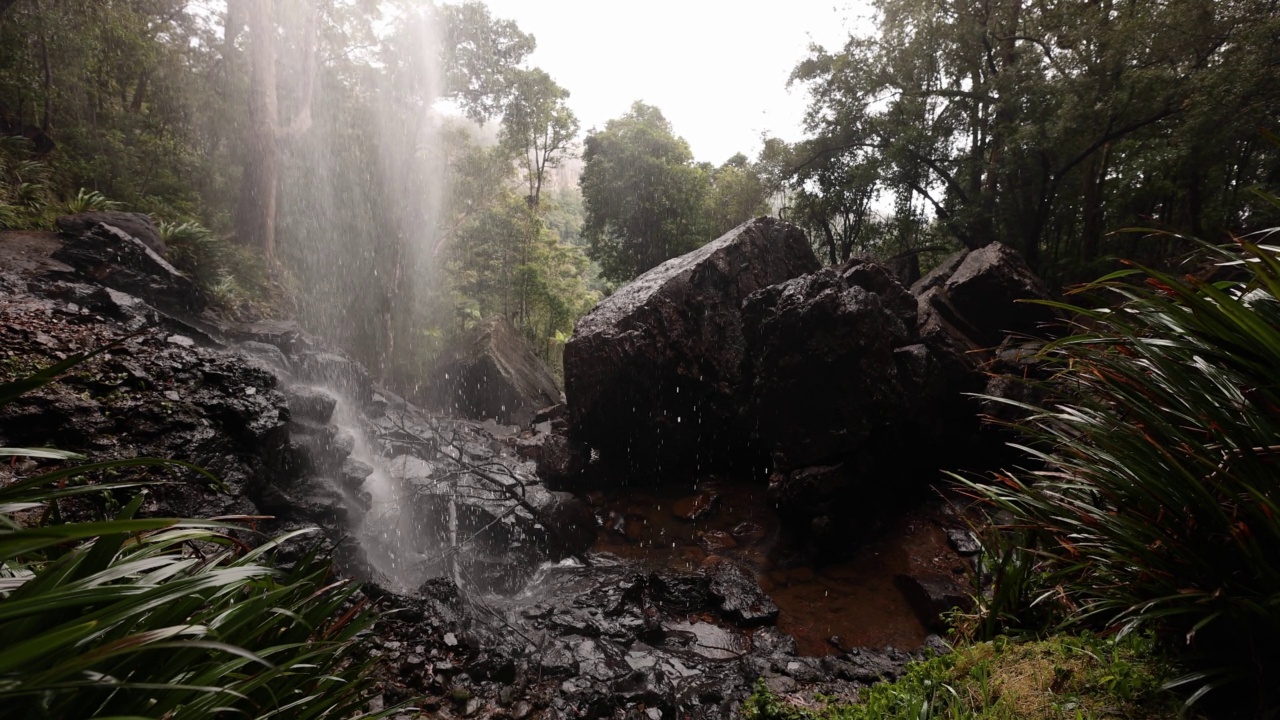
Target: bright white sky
<point x="716" y="68"/>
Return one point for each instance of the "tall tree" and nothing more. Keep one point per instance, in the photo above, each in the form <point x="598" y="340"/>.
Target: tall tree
<point x="644" y="199"/>
<point x="256" y="211"/>
<point x="737" y="195"/>
<point x="538" y="126"/>
<point x="1021" y="121"/>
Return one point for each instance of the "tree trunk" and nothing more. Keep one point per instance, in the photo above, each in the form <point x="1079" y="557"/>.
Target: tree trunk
<point x="1095" y="171"/>
<point x="46" y="121"/>
<point x="256" y="213"/>
<point x="140" y="93"/>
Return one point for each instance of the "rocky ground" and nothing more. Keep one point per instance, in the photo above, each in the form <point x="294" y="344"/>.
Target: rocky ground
<point x="546" y="625"/>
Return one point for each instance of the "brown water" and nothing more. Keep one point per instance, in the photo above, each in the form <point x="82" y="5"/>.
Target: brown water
<point x="855" y="602"/>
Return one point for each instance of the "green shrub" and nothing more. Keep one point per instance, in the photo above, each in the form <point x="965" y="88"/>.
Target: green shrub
<point x="1156" y="506"/>
<point x="26" y="197"/>
<point x="233" y="275"/>
<point x="85" y="200"/>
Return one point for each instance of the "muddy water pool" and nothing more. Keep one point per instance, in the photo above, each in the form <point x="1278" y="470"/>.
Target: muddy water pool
<point x="856" y="602"/>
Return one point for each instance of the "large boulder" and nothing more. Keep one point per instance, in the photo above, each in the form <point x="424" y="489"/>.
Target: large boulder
<point x="134" y="224"/>
<point x="991" y="288"/>
<point x="495" y="373"/>
<point x="652" y="373"/>
<point x="857" y="413"/>
<point x="121" y="261"/>
<point x="821" y="361"/>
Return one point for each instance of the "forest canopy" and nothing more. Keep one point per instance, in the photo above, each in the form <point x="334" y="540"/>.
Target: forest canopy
<point x="406" y="158"/>
<point x="1043" y="125"/>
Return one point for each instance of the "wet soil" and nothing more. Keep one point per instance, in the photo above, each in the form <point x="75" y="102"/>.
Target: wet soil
<point x="827" y="608"/>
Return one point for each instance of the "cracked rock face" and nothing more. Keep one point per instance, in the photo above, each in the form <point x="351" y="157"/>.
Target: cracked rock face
<point x="494" y="373"/>
<point x="652" y="373"/>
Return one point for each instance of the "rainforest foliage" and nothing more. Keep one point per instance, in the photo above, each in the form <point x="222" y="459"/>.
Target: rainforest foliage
<point x="1043" y="125"/>
<point x="403" y="156"/>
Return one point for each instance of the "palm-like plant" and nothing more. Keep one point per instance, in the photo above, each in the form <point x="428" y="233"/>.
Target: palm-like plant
<point x="1158" y="502"/>
<point x="162" y="618"/>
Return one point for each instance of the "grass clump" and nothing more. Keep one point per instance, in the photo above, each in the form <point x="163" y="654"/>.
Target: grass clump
<point x="161" y="618"/>
<point x="237" y="278"/>
<point x="1154" y="505"/>
<point x="1062" y="678"/>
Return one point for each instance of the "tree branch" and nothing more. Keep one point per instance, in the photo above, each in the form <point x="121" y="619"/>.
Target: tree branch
<point x="1111" y="135"/>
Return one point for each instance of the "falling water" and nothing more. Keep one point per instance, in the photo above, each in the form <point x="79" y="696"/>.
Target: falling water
<point x="363" y="196"/>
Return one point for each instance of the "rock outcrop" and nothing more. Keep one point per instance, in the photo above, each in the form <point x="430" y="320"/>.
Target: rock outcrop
<point x="122" y="262"/>
<point x="991" y="289"/>
<point x="824" y="377"/>
<point x="495" y="373"/>
<point x="853" y="390"/>
<point x="136" y="225"/>
<point x="292" y="427"/>
<point x="652" y="373"/>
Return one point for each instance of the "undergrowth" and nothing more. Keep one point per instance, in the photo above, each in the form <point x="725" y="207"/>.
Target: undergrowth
<point x="1152" y="498"/>
<point x="1062" y="678"/>
<point x="119" y="616"/>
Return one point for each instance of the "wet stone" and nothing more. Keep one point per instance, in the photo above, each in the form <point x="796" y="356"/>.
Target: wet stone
<point x="931" y="596"/>
<point x="963" y="542"/>
<point x="771" y="641"/>
<point x="718" y="540"/>
<point x="558" y="660"/>
<point x="269" y="354"/>
<point x="741" y="599"/>
<point x="354" y="473"/>
<point x="696" y="507"/>
<point x="311" y="403"/>
<point x="711" y="641"/>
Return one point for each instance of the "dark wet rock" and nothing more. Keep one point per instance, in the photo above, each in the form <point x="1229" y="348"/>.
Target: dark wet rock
<point x="933" y="595"/>
<point x="938" y="275"/>
<point x="741" y="599"/>
<point x="877" y="279"/>
<point x="338" y="372"/>
<point x="963" y="541"/>
<point x="131" y="311"/>
<point x="311" y="403"/>
<point x="529" y="446"/>
<point x="384" y="401"/>
<point x="696" y="507"/>
<point x="1017" y="378"/>
<point x="495" y="373"/>
<point x="310" y="499"/>
<point x="145" y="396"/>
<point x="651" y="373"/>
<point x="353" y="473"/>
<point x="269" y="354"/>
<point x="136" y="225"/>
<point x="990" y="289"/>
<point x="121" y="262"/>
<point x="821" y="364"/>
<point x="561" y="459"/>
<point x="316" y="447"/>
<point x="772" y="641"/>
<point x="551" y="413"/>
<point x="286" y="335"/>
<point x="811" y="494"/>
<point x="571" y="526"/>
<point x="947" y="333"/>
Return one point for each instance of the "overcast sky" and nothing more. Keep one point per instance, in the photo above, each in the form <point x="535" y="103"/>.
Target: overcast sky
<point x="716" y="68"/>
